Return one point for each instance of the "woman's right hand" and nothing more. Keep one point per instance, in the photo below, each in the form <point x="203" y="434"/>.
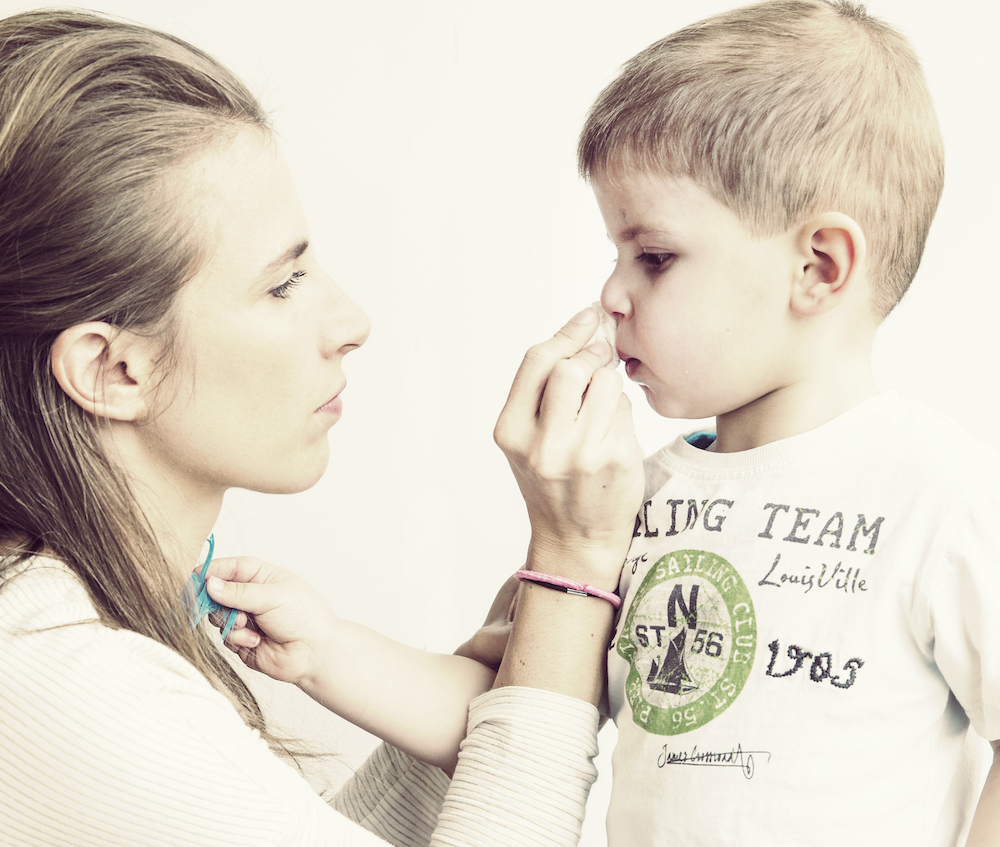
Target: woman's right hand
<point x="567" y="432"/>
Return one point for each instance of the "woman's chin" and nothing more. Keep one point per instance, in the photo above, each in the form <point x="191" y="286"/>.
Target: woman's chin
<point x="292" y="481"/>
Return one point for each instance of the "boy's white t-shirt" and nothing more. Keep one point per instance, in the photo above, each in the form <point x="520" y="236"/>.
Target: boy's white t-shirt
<point x="808" y="629"/>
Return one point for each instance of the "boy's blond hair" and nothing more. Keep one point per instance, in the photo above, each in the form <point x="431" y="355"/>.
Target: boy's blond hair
<point x="782" y="110"/>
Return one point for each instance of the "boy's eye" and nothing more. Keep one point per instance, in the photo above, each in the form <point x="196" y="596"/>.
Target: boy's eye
<point x="282" y="291"/>
<point x="654" y="260"/>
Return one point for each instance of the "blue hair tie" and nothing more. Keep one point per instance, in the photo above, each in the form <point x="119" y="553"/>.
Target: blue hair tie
<point x="199" y="603"/>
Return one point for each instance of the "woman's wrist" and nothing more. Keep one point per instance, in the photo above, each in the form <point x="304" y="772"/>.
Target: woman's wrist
<point x="568" y="586"/>
<point x="584" y="561"/>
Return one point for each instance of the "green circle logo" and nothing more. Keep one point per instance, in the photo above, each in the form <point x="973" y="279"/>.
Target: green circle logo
<point x="690" y="637"/>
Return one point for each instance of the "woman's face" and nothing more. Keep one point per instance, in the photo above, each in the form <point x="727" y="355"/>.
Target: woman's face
<point x="261" y="336"/>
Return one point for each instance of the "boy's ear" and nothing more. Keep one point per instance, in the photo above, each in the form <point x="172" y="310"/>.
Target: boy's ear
<point x="105" y="371"/>
<point x="832" y="248"/>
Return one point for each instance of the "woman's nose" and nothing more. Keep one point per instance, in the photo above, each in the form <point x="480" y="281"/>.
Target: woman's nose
<point x="347" y="328"/>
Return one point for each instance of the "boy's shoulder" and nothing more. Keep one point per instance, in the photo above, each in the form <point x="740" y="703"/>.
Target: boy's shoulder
<point x="937" y="447"/>
<point x="885" y="435"/>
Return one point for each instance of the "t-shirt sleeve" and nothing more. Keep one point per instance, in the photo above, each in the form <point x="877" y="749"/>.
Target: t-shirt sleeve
<point x="960" y="598"/>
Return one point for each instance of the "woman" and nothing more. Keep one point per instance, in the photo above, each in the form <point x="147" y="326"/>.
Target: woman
<point x="166" y="334"/>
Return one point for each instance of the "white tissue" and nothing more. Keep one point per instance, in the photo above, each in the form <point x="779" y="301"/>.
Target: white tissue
<point x="607" y="329"/>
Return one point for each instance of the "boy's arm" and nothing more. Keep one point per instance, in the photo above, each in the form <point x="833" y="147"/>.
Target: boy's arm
<point x="415" y="700"/>
<point x="985" y="831"/>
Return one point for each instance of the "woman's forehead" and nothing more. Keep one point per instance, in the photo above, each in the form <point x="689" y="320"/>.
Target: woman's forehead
<point x="246" y="206"/>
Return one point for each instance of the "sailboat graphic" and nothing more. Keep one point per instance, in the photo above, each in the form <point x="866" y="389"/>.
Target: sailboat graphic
<point x="672" y="676"/>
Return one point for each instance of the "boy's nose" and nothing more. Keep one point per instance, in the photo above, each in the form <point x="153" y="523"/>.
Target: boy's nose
<point x="614" y="297"/>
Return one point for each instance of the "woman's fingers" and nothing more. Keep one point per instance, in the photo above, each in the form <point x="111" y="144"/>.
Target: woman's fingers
<point x="569" y="381"/>
<point x="606" y="415"/>
<point x="601" y="402"/>
<point x="567" y="432"/>
<point x="530" y="381"/>
<point x="563" y="399"/>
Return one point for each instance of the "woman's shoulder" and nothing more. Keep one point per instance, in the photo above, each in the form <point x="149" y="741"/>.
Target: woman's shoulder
<point x="48" y="623"/>
<point x="152" y="752"/>
<point x="38" y="594"/>
<point x="57" y="659"/>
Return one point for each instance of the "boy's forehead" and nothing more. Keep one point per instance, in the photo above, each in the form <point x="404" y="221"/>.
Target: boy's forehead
<point x="644" y="203"/>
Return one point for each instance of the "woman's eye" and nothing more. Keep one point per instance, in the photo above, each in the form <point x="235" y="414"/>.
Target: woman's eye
<point x="655" y="261"/>
<point x="282" y="291"/>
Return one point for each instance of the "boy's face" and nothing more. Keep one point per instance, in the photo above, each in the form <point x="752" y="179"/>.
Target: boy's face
<point x="703" y="308"/>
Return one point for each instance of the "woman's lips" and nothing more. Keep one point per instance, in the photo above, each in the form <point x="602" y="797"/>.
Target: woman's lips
<point x="333" y="406"/>
<point x="631" y="366"/>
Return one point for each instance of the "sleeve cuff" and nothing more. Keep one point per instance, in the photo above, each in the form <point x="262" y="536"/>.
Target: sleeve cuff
<point x="524" y="772"/>
<point x="394" y="796"/>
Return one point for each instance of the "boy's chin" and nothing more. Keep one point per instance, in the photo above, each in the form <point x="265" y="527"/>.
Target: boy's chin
<point x="674" y="408"/>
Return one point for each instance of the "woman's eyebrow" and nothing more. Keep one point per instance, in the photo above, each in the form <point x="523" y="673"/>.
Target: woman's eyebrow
<point x="290" y="255"/>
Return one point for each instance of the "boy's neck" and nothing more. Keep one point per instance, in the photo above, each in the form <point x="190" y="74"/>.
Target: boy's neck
<point x="794" y="408"/>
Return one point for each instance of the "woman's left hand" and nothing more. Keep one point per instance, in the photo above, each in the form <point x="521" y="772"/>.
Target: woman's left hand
<point x="567" y="433"/>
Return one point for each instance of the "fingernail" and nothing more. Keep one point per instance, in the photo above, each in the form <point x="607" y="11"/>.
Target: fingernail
<point x="583" y="316"/>
<point x="599" y="346"/>
<point x="215" y="583"/>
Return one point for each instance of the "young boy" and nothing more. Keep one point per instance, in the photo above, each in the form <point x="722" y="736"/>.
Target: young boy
<point x="807" y="630"/>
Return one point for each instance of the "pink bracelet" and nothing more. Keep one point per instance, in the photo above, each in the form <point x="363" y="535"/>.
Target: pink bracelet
<point x="567" y="585"/>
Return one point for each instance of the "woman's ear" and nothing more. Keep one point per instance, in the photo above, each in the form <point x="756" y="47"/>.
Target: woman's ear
<point x="833" y="250"/>
<point x="104" y="370"/>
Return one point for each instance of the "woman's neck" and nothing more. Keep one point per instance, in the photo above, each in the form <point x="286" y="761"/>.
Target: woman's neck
<point x="180" y="523"/>
<point x="180" y="512"/>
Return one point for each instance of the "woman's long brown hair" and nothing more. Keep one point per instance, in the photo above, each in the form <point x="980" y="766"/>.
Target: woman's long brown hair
<point x="98" y="118"/>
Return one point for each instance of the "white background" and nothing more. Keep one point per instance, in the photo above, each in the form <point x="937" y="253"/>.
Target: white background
<point x="433" y="145"/>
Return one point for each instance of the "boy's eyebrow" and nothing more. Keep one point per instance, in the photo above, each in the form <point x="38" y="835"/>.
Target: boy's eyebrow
<point x="290" y="255"/>
<point x="633" y="231"/>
